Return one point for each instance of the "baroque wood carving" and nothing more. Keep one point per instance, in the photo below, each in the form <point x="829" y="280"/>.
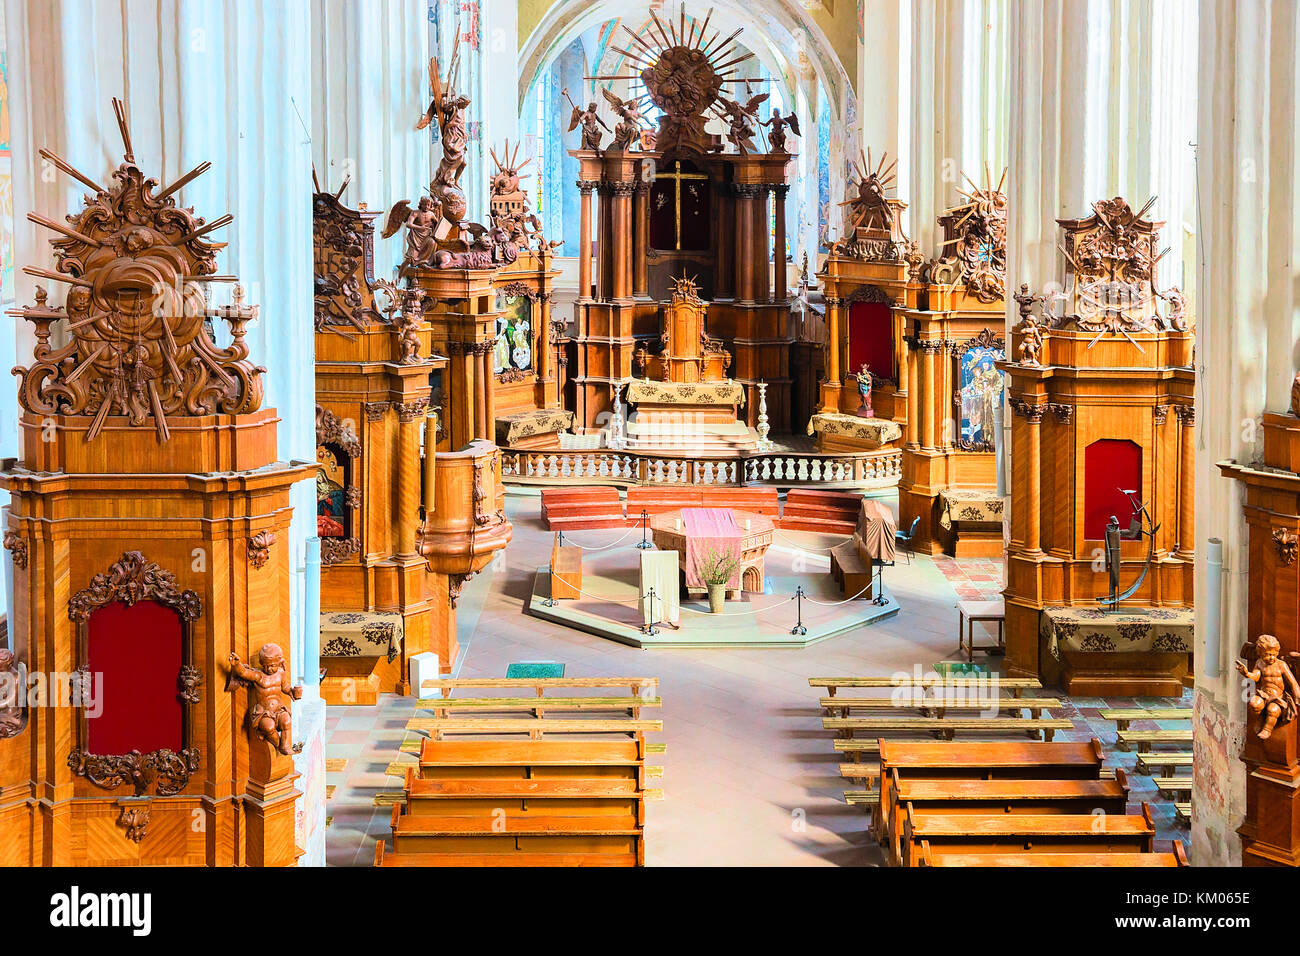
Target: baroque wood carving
<point x="259" y="548"/>
<point x="140" y="270"/>
<point x="977" y="229"/>
<point x="1286" y="543"/>
<point x="342" y="245"/>
<point x="16" y="545"/>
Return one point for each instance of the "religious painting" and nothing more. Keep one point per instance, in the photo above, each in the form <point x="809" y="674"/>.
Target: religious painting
<point x="1112" y="467"/>
<point x="333" y="517"/>
<point x="679" y="207"/>
<point x="979" y="394"/>
<point x="513" y="353"/>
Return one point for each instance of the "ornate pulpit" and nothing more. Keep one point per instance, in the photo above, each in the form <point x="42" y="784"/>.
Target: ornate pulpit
<point x="149" y="528"/>
<point x="1100" y="380"/>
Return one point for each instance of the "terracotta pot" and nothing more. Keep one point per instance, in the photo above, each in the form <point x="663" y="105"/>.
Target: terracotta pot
<point x="717" y="597"/>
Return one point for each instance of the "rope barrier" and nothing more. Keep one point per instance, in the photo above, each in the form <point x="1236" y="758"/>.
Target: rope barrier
<point x="568" y="539"/>
<point x="757" y="610"/>
<point x="838" y="603"/>
<point x="800" y="547"/>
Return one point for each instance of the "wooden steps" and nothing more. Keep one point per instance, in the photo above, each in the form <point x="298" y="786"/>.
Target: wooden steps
<point x="571" y="793"/>
<point x="565" y="509"/>
<point x="825" y="512"/>
<point x="658" y="500"/>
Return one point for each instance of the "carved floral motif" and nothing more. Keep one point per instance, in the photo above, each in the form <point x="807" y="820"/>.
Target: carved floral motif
<point x="259" y="548"/>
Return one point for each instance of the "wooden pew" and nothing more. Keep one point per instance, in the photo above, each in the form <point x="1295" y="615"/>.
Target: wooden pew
<point x="851" y="573"/>
<point x="946" y="727"/>
<point x="1013" y="684"/>
<point x="982" y="761"/>
<point x="1032" y="796"/>
<point x="537" y="706"/>
<point x="1123" y="716"/>
<point x="1025" y="833"/>
<point x="1147" y="763"/>
<point x="938" y="705"/>
<point x="927" y="857"/>
<point x="539" y="802"/>
<point x="566" y="571"/>
<point x="449" y="685"/>
<point x="1145" y="739"/>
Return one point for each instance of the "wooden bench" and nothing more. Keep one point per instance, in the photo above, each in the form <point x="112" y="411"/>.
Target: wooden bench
<point x="1146" y="739"/>
<point x="535" y="727"/>
<point x="449" y="685"/>
<point x="568" y="509"/>
<point x="1032" y="796"/>
<point x="826" y="512"/>
<point x="1183" y="813"/>
<point x="1170" y="786"/>
<point x="566" y="572"/>
<point x="1168" y="762"/>
<point x="1123" y="716"/>
<point x="537" y="706"/>
<point x="851" y="573"/>
<point x="927" y="857"/>
<point x="995" y="683"/>
<point x="1025" y="833"/>
<point x="938" y="705"/>
<point x="946" y="727"/>
<point x="558" y="801"/>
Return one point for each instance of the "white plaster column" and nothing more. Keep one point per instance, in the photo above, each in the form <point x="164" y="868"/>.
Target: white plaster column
<point x="221" y="80"/>
<point x="1248" y="325"/>
<point x="370" y="84"/>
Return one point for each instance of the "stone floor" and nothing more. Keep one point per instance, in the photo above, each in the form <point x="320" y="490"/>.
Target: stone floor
<point x="750" y="777"/>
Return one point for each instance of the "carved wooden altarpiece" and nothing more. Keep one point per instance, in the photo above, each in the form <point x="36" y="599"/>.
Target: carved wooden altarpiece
<point x="714" y="204"/>
<point x="1093" y="374"/>
<point x="148" y="503"/>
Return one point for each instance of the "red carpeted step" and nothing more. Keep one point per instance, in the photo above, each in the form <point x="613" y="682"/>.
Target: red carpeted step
<point x="589" y="507"/>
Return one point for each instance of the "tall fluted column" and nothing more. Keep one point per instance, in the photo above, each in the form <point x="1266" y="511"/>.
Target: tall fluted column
<point x="641" y="217"/>
<point x="585" y="187"/>
<point x="407" y="513"/>
<point x="778" y="253"/>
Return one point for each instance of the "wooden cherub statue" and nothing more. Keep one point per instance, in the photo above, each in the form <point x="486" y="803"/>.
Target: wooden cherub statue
<point x="268" y="684"/>
<point x="1276" y="690"/>
<point x="13" y="716"/>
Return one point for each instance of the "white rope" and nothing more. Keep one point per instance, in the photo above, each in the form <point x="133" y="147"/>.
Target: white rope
<point x="838" y="603"/>
<point x="800" y="547"/>
<point x="757" y="610"/>
<point x="599" y="597"/>
<point x="567" y="539"/>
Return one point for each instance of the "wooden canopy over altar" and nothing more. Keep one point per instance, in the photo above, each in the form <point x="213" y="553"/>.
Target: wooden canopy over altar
<point x="691" y="205"/>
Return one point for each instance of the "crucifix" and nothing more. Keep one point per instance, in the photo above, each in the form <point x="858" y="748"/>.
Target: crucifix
<point x="677" y="176"/>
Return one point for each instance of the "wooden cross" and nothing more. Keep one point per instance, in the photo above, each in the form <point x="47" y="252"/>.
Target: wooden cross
<point x="677" y="176"/>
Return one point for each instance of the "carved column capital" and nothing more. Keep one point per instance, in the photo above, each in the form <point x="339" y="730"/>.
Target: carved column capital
<point x="1186" y="414"/>
<point x="746" y="190"/>
<point x="833" y="302"/>
<point x="585" y="186"/>
<point x="411" y="411"/>
<point x="1160" y="414"/>
<point x="1029" y="411"/>
<point x="780" y="190"/>
<point x="1061" y="411"/>
<point x="623" y="188"/>
<point x="375" y="411"/>
<point x="930" y="346"/>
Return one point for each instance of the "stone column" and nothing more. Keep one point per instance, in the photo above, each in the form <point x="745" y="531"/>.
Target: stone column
<point x="585" y="187"/>
<point x="778" y="253"/>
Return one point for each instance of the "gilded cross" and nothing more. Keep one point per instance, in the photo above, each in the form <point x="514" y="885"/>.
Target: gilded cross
<point x="677" y="176"/>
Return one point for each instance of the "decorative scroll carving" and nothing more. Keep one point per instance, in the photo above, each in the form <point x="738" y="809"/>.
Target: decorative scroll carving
<point x="509" y="209"/>
<point x="455" y="582"/>
<point x="259" y="548"/>
<point x="342" y="245"/>
<point x="132" y="579"/>
<point x="977" y="230"/>
<point x="166" y="770"/>
<point x="868" y="293"/>
<point x="268" y="685"/>
<point x="332" y="430"/>
<point x="519" y="290"/>
<point x="335" y="550"/>
<point x="138" y="344"/>
<point x="17" y="545"/>
<point x="1286" y="543"/>
<point x="510" y="375"/>
<point x="871" y="219"/>
<point x="188" y="682"/>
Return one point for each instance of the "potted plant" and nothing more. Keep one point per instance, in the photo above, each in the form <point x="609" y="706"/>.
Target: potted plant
<point x="716" y="570"/>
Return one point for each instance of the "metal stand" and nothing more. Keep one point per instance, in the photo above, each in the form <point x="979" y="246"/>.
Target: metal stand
<point x="550" y="596"/>
<point x="650" y="628"/>
<point x="880" y="600"/>
<point x="645" y="544"/>
<point x="798" y="628"/>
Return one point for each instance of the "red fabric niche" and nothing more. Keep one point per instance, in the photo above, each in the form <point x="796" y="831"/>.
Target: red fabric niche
<point x="871" y="339"/>
<point x="135" y="657"/>
<point x="1109" y="464"/>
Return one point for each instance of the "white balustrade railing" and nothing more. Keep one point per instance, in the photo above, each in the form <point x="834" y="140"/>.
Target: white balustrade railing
<point x="786" y="469"/>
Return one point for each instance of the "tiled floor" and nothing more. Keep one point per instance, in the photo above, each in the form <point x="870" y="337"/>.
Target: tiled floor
<point x="750" y="776"/>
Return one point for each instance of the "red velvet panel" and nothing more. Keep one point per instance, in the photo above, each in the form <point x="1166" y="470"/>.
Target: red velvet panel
<point x="871" y="339"/>
<point x="135" y="657"/>
<point x="1109" y="464"/>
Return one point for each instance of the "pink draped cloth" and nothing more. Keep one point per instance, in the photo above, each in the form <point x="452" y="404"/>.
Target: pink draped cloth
<point x="710" y="532"/>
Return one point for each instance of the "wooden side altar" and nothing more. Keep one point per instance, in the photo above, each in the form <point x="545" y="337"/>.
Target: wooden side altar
<point x="149" y="531"/>
<point x="1101" y="384"/>
<point x="1270" y="832"/>
<point x="685" y="207"/>
<point x="954" y="340"/>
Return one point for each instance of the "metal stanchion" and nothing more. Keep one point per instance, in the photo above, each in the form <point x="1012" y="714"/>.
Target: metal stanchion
<point x="645" y="544"/>
<point x="650" y="628"/>
<point x="798" y="628"/>
<point x="550" y="587"/>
